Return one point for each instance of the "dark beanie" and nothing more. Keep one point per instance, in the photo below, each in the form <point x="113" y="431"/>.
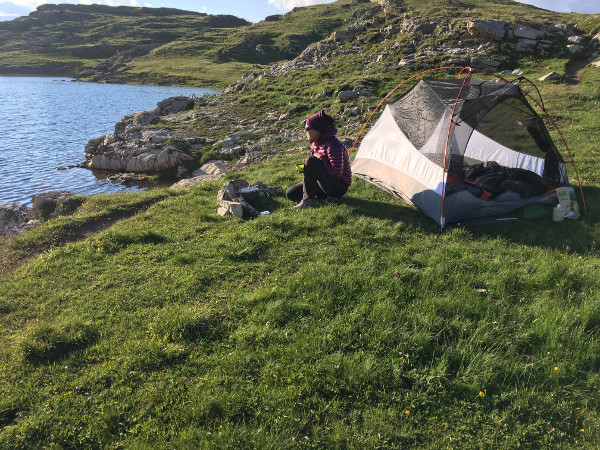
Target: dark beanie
<point x="319" y="121"/>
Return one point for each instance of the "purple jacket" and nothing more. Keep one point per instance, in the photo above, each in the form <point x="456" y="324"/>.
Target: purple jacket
<point x="334" y="155"/>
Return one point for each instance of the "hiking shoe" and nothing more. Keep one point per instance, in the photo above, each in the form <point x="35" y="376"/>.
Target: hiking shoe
<point x="331" y="198"/>
<point x="308" y="203"/>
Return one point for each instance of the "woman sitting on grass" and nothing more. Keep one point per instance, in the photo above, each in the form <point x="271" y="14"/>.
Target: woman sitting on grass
<point x="327" y="173"/>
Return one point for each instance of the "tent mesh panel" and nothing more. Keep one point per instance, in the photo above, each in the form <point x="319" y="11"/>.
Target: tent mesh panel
<point x="498" y="110"/>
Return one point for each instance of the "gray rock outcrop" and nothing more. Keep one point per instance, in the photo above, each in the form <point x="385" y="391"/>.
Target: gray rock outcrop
<point x="135" y="148"/>
<point x="14" y="218"/>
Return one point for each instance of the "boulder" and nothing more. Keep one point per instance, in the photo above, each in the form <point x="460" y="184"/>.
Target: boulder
<point x="135" y="121"/>
<point x="174" y="105"/>
<point x="346" y="96"/>
<point x="550" y="76"/>
<point x="525" y="45"/>
<point x="528" y="33"/>
<point x="344" y="35"/>
<point x="14" y="218"/>
<point x="575" y="39"/>
<point x="215" y="167"/>
<point x="49" y="205"/>
<point x="136" y="148"/>
<point x="130" y="158"/>
<point x="574" y="48"/>
<point x="507" y="73"/>
<point x="487" y="29"/>
<point x="251" y="157"/>
<point x="481" y="63"/>
<point x="188" y="183"/>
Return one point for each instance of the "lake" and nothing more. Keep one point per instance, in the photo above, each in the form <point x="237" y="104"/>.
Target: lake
<point x="45" y="123"/>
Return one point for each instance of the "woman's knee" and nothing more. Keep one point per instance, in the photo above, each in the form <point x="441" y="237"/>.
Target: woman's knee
<point x="311" y="162"/>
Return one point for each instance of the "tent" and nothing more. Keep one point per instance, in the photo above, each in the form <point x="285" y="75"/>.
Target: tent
<point x="463" y="149"/>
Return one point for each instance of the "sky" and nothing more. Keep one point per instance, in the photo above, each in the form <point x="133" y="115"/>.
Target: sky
<point x="253" y="10"/>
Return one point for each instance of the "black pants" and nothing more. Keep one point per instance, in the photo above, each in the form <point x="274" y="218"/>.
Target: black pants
<point x="317" y="183"/>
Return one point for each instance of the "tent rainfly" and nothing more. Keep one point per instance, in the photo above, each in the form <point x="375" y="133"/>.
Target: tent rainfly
<point x="462" y="149"/>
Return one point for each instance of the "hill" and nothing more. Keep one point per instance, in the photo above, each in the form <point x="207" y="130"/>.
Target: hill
<point x="157" y="45"/>
<point x="69" y="39"/>
<point x="147" y="320"/>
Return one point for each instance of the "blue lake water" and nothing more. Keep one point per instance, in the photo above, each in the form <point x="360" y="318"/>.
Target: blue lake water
<point x="45" y="123"/>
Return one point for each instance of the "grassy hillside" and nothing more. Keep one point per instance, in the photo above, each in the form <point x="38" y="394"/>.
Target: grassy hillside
<point x="354" y="325"/>
<point x="159" y="45"/>
<point x="70" y="39"/>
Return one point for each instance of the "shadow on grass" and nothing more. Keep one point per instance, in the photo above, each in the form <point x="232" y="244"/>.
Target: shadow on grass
<point x="571" y="235"/>
<point x="579" y="236"/>
<point x="389" y="211"/>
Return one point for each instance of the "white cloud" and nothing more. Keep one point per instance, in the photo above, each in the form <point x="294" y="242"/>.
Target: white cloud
<point x="286" y="5"/>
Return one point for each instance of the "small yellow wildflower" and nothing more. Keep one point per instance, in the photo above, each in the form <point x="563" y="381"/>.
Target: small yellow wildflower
<point x="274" y="376"/>
<point x="407" y="412"/>
<point x="481" y="394"/>
<point x="555" y="368"/>
<point x="582" y="430"/>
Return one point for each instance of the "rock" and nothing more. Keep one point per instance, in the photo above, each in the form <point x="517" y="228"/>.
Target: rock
<point x="228" y="143"/>
<point x="353" y="111"/>
<point x="49" y="205"/>
<point x="228" y="208"/>
<point x="135" y="120"/>
<point x="228" y="199"/>
<point x="344" y="35"/>
<point x="188" y="183"/>
<point x="413" y="26"/>
<point x="215" y="167"/>
<point x="131" y="158"/>
<point x="248" y="159"/>
<point x="135" y="148"/>
<point x="174" y="105"/>
<point x="93" y="144"/>
<point x="14" y="218"/>
<point x="550" y="76"/>
<point x="528" y="33"/>
<point x="575" y="39"/>
<point x="516" y="72"/>
<point x="525" y="45"/>
<point x="574" y="48"/>
<point x="481" y="63"/>
<point x="346" y="96"/>
<point x="487" y="29"/>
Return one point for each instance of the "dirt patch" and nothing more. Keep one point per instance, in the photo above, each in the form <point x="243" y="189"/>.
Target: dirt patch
<point x="9" y="260"/>
<point x="574" y="68"/>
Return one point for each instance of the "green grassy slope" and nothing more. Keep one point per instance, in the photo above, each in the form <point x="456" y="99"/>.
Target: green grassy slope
<point x="356" y="325"/>
<point x="73" y="38"/>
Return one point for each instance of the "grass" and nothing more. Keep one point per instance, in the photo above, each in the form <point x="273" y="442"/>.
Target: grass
<point x="147" y="320"/>
<point x="349" y="325"/>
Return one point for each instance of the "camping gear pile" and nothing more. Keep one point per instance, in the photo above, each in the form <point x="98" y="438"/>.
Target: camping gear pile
<point x="239" y="199"/>
<point x="463" y="149"/>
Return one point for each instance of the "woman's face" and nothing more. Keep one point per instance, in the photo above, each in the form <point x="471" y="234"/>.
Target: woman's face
<point x="312" y="135"/>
